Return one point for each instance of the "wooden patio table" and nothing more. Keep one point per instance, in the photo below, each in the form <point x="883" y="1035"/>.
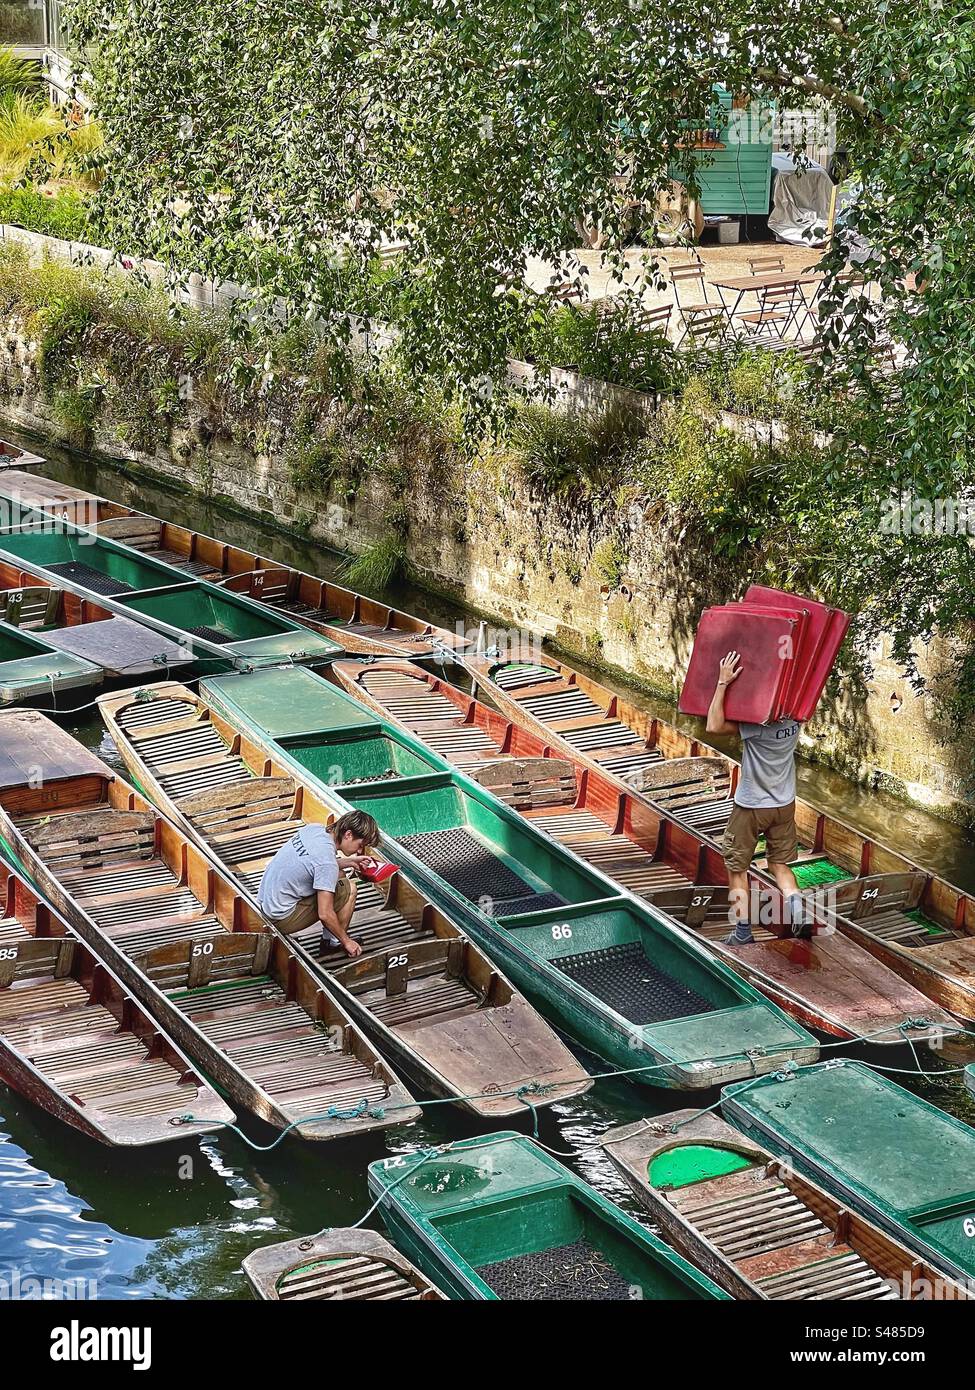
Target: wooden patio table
<point x="740" y="285"/>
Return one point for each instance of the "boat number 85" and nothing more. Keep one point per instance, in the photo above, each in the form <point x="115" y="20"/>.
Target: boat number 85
<point x="8" y="953"/>
<point x="968" y="1226"/>
<point x="562" y="932"/>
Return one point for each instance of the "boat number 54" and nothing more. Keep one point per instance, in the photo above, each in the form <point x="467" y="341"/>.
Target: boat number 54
<point x="562" y="932"/>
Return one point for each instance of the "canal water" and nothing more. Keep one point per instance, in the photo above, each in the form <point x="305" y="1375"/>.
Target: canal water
<point x="176" y="1222"/>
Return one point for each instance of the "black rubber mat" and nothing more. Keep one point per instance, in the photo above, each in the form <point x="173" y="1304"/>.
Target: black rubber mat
<point x="623" y="978"/>
<point x="90" y="578"/>
<point x="211" y="634"/>
<point x="470" y="868"/>
<point x="566" y="1272"/>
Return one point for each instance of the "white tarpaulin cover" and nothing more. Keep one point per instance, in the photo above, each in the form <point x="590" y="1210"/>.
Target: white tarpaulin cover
<point x="800" y="203"/>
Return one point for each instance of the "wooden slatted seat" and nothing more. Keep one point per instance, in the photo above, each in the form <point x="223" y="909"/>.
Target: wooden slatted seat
<point x="11" y="930"/>
<point x="529" y="784"/>
<point x="594" y="736"/>
<point x="702" y="908"/>
<point x="695" y="790"/>
<point x="569" y="824"/>
<point x="376" y="926"/>
<point x="82" y="841"/>
<point x="291" y="1058"/>
<point x="423" y="999"/>
<point x="143" y="713"/>
<point x="762" y="1215"/>
<point x="31" y="607"/>
<point x="777" y="1241"/>
<point x="353" y="1277"/>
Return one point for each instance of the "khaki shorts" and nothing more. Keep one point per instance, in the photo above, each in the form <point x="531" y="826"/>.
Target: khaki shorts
<point x="305" y="913"/>
<point x="746" y="827"/>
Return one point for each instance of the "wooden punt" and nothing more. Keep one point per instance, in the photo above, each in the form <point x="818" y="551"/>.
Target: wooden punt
<point x="582" y="720"/>
<point x="355" y="622"/>
<point x="430" y="998"/>
<point x="605" y="967"/>
<point x="831" y="983"/>
<point x="339" y="1265"/>
<point x="173" y="928"/>
<point x="74" y="1041"/>
<point x="88" y="635"/>
<point x="903" y="1163"/>
<point x="228" y="630"/>
<point x="754" y="1225"/>
<point x="499" y="1218"/>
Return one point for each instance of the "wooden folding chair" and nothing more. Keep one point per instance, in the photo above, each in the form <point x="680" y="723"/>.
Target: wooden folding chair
<point x="702" y="309"/>
<point x="777" y="307"/>
<point x="655" y="320"/>
<point x="766" y="265"/>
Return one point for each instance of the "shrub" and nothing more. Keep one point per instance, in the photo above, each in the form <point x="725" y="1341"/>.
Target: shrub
<point x="64" y="214"/>
<point x="377" y="566"/>
<point x="608" y="560"/>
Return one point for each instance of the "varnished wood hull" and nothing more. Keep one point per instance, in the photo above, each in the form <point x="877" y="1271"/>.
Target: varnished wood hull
<point x="75" y="1042"/>
<point x="242" y="941"/>
<point x="802" y="1245"/>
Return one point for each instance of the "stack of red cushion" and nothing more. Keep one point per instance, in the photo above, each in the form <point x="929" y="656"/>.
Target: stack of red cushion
<point x="787" y="647"/>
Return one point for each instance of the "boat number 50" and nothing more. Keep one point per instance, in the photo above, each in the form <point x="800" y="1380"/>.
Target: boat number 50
<point x="203" y="948"/>
<point x="968" y="1226"/>
<point x="562" y="932"/>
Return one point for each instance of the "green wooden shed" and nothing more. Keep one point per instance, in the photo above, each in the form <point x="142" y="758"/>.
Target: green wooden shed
<point x="736" y="170"/>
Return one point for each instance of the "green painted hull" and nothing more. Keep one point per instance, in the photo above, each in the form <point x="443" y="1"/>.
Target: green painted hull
<point x="502" y="1198"/>
<point x="900" y="1161"/>
<point x="710" y="1028"/>
<point x="229" y="631"/>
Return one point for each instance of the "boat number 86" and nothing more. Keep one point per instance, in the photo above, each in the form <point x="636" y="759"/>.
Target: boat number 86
<point x="968" y="1226"/>
<point x="561" y="932"/>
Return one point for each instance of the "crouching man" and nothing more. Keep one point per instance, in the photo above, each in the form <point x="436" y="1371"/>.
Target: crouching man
<point x="765" y="805"/>
<point x="304" y="882"/>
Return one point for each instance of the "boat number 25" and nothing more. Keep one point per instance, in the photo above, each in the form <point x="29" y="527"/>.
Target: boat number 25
<point x="968" y="1226"/>
<point x="562" y="932"/>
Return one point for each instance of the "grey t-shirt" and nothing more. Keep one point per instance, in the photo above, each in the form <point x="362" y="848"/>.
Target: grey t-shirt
<point x="301" y="868"/>
<point x="768" y="764"/>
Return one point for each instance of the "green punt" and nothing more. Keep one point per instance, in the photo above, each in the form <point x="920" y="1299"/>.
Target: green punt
<point x="32" y="667"/>
<point x="606" y="968"/>
<point x="226" y="628"/>
<point x="898" y="1160"/>
<point x="497" y="1218"/>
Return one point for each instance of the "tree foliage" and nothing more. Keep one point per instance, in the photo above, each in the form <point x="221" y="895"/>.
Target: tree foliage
<point x="285" y="142"/>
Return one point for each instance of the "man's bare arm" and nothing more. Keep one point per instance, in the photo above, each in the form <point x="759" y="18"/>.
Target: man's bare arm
<point x="728" y="671"/>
